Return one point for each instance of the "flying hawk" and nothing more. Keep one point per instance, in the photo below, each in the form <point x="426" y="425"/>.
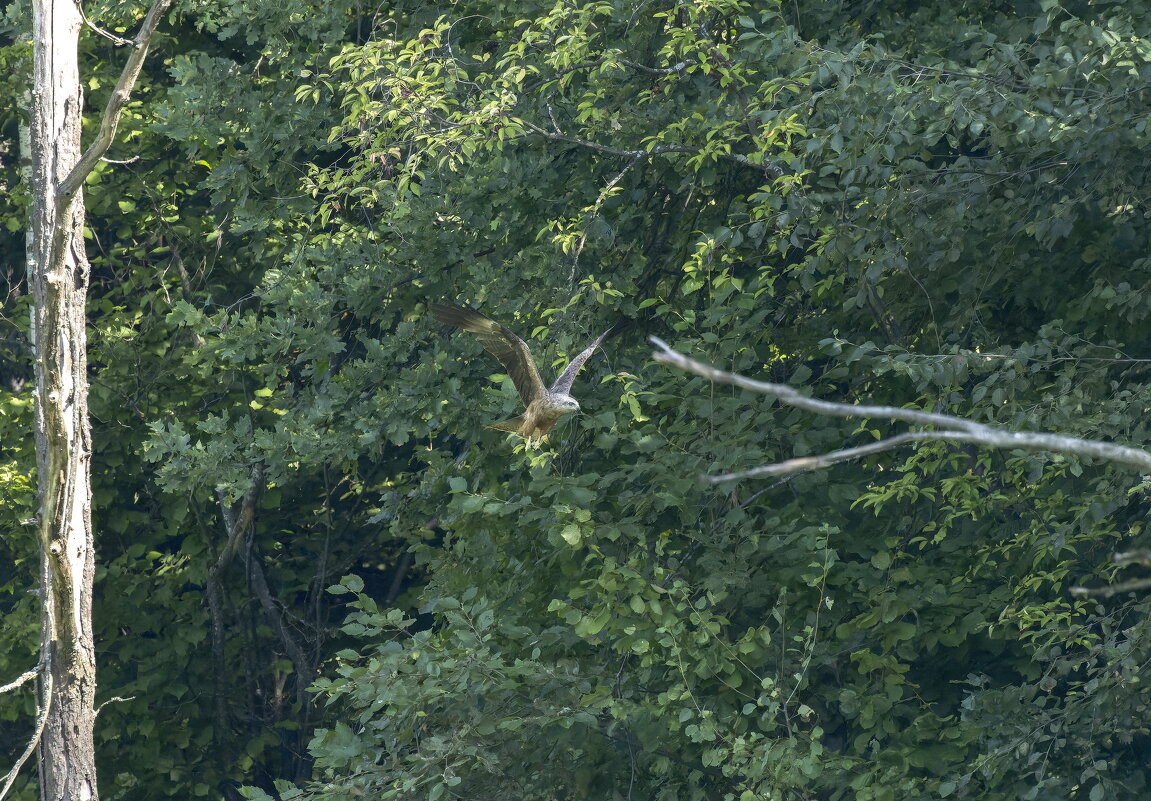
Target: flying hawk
<point x="544" y="406"/>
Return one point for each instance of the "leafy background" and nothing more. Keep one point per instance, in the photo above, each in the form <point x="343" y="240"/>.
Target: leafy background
<point x="927" y="204"/>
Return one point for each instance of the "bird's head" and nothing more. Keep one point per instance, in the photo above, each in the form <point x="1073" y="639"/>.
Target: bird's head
<point x="566" y="403"/>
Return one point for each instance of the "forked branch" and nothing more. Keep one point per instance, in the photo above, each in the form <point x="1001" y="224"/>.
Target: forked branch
<point x="944" y="426"/>
<point x="45" y="699"/>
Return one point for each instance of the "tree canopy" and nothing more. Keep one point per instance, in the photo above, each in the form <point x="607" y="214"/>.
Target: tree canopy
<point x="319" y="577"/>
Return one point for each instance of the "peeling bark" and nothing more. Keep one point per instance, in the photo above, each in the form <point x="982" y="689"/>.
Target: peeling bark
<point x="58" y="269"/>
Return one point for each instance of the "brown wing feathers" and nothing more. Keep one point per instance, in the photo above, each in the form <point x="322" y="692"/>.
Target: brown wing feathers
<point x="512" y="351"/>
<point x="500" y="342"/>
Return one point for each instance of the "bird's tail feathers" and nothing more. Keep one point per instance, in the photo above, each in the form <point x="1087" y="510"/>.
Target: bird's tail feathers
<point x="512" y="425"/>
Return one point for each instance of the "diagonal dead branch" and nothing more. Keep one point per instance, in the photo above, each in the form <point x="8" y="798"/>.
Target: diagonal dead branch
<point x="949" y="428"/>
<point x="115" y="107"/>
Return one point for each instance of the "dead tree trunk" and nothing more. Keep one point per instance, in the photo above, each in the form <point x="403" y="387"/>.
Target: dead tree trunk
<point x="58" y="270"/>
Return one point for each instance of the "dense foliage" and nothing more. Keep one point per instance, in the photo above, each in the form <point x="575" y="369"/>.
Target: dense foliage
<point x="933" y="205"/>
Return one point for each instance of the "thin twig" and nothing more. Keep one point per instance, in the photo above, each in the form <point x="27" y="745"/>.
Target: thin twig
<point x="603" y="195"/>
<point x="658" y="150"/>
<point x="680" y="67"/>
<point x="823" y="460"/>
<point x="106" y="34"/>
<point x="112" y="700"/>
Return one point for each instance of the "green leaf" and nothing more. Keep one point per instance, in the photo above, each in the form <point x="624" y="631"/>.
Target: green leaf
<point x="591" y="625"/>
<point x="571" y="534"/>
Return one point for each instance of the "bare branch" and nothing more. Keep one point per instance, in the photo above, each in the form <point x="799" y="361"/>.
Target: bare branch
<point x="680" y="67"/>
<point x="24" y="678"/>
<point x="561" y="137"/>
<point x="115" y="699"/>
<point x="1142" y="557"/>
<point x="1135" y="585"/>
<point x="116" y="102"/>
<point x="1123" y="559"/>
<point x="791" y="397"/>
<point x="41" y="721"/>
<point x="587" y="65"/>
<point x="304" y="673"/>
<point x="641" y="153"/>
<point x="952" y="429"/>
<point x="823" y="460"/>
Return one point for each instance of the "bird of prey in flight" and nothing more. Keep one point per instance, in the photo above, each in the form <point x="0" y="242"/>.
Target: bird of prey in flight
<point x="544" y="406"/>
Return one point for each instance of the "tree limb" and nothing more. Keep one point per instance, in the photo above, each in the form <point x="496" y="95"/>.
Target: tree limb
<point x="680" y="67"/>
<point x="950" y="428"/>
<point x="24" y="678"/>
<point x="1134" y="585"/>
<point x="236" y="525"/>
<point x="115" y="107"/>
<point x="305" y="675"/>
<point x="1123" y="559"/>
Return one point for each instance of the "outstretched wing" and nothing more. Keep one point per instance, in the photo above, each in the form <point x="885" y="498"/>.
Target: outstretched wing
<point x="563" y="384"/>
<point x="512" y="351"/>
